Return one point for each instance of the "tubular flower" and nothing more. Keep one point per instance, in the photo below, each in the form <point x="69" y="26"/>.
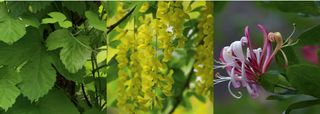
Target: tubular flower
<point x="245" y="65"/>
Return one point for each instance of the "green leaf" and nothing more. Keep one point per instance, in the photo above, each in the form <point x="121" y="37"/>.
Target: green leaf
<point x="112" y="70"/>
<point x="186" y="103"/>
<point x="77" y="77"/>
<point x="270" y="80"/>
<point x="306" y="7"/>
<point x="291" y="56"/>
<point x="8" y="92"/>
<point x="301" y="104"/>
<point x="310" y="36"/>
<point x="65" y="24"/>
<point x="11" y="29"/>
<point x="37" y="6"/>
<point x="75" y="50"/>
<point x="75" y="6"/>
<point x="19" y="52"/>
<point x="110" y="6"/>
<point x="38" y="75"/>
<point x="16" y="9"/>
<point x="95" y="21"/>
<point x="37" y="72"/>
<point x="58" y="17"/>
<point x="30" y="20"/>
<point x="56" y="102"/>
<point x="305" y="78"/>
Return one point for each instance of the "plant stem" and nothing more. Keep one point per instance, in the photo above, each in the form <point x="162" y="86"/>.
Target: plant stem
<point x="94" y="77"/>
<point x="85" y="96"/>
<point x="110" y="28"/>
<point x="180" y="96"/>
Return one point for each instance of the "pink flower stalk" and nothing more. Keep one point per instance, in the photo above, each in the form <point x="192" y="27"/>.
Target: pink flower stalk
<point x="245" y="65"/>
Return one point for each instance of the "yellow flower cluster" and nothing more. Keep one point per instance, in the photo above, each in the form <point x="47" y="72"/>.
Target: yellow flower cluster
<point x="123" y="74"/>
<point x="203" y="66"/>
<point x="146" y="47"/>
<point x="172" y="14"/>
<point x="142" y="74"/>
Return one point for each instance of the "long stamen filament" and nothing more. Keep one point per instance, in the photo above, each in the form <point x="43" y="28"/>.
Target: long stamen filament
<point x="284" y="57"/>
<point x="288" y="40"/>
<point x="232" y="94"/>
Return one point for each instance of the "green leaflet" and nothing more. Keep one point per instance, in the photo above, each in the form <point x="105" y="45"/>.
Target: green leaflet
<point x="94" y="21"/>
<point x="8" y="92"/>
<point x="56" y="102"/>
<point x="75" y="50"/>
<point x="57" y="17"/>
<point x="11" y="29"/>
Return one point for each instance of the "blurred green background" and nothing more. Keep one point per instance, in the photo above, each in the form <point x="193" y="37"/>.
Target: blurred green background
<point x="230" y="20"/>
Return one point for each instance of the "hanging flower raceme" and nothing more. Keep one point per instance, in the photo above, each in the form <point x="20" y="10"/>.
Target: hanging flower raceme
<point x="245" y="65"/>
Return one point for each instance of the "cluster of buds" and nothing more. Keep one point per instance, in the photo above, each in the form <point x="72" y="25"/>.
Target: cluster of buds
<point x="245" y="65"/>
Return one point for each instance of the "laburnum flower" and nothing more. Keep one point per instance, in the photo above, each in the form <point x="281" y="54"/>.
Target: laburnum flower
<point x="245" y="65"/>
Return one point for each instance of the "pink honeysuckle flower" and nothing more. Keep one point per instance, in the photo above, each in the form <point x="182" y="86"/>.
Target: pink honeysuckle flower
<point x="244" y="64"/>
<point x="310" y="53"/>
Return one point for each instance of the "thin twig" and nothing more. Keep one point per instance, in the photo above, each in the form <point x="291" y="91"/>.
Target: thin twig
<point x="110" y="28"/>
<point x="94" y="77"/>
<point x="85" y="96"/>
<point x="180" y="96"/>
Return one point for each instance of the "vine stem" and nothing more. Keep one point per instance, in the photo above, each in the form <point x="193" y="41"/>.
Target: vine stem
<point x="85" y="95"/>
<point x="94" y="77"/>
<point x="180" y="96"/>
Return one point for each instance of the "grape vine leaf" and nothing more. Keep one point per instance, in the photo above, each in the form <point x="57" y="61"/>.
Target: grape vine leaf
<point x="38" y="75"/>
<point x="20" y="51"/>
<point x="57" y="17"/>
<point x="11" y="29"/>
<point x="30" y="20"/>
<point x="75" y="50"/>
<point x="94" y="21"/>
<point x="77" y="77"/>
<point x="8" y="92"/>
<point x="17" y="8"/>
<point x="55" y="102"/>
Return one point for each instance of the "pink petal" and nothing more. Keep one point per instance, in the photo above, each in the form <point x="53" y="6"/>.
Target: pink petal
<point x="310" y="53"/>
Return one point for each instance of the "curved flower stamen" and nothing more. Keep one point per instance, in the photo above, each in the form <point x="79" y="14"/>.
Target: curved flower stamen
<point x="244" y="68"/>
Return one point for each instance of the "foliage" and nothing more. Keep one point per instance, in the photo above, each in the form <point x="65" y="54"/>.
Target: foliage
<point x="64" y="57"/>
